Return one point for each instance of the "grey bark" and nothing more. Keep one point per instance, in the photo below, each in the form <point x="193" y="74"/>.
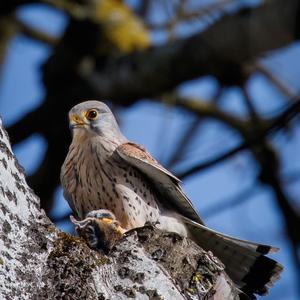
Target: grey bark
<point x="37" y="261"/>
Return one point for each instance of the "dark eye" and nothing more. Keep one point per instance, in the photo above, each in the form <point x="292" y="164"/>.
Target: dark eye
<point x="92" y="114"/>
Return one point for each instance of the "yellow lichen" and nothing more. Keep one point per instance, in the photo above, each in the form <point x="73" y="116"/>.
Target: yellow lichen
<point x="63" y="244"/>
<point x="197" y="277"/>
<point x="66" y="243"/>
<point x="102" y="260"/>
<point x="191" y="290"/>
<point x="122" y="28"/>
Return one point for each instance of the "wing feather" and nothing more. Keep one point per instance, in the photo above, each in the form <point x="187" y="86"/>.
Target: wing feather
<point x="163" y="180"/>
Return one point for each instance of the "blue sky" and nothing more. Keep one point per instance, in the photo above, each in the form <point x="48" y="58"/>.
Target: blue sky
<point x="257" y="219"/>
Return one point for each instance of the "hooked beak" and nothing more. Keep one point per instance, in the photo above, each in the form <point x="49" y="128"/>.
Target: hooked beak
<point x="76" y="122"/>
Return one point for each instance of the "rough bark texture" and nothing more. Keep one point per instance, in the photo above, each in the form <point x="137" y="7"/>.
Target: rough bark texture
<point x="37" y="261"/>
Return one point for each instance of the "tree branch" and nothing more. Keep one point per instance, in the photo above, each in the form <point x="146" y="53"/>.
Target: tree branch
<point x="251" y="140"/>
<point x="272" y="78"/>
<point x="27" y="125"/>
<point x="210" y="163"/>
<point x="208" y="110"/>
<point x="243" y="196"/>
<point x="153" y="71"/>
<point x="286" y="116"/>
<point x="221" y="50"/>
<point x="184" y="16"/>
<point x="225" y="204"/>
<point x="188" y="135"/>
<point x="39" y="262"/>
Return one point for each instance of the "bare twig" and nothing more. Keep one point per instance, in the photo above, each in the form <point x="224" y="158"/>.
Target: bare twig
<point x="255" y="119"/>
<point x="243" y="196"/>
<point x="275" y="124"/>
<point x="183" y="143"/>
<point x="286" y="116"/>
<point x="199" y="167"/>
<point x="209" y="110"/>
<point x="272" y="78"/>
<point x="189" y="134"/>
<point x="185" y="16"/>
<point x="225" y="204"/>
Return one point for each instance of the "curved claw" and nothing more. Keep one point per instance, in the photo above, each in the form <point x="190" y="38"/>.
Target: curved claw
<point x="82" y="223"/>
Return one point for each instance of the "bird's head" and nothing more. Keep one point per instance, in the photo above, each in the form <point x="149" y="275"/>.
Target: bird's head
<point x="94" y="117"/>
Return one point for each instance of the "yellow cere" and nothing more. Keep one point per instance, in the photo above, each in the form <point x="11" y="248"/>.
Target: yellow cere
<point x="76" y="119"/>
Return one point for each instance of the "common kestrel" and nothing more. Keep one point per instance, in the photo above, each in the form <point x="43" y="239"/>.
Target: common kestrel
<point x="103" y="170"/>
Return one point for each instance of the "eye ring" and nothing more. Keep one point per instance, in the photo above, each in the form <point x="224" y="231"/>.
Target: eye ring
<point x="92" y="114"/>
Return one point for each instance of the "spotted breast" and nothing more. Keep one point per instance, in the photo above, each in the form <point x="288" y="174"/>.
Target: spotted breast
<point x="94" y="177"/>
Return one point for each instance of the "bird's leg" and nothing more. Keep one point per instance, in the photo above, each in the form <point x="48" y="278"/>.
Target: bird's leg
<point x="100" y="229"/>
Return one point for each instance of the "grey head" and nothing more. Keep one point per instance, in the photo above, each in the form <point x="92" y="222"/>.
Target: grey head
<point x="95" y="118"/>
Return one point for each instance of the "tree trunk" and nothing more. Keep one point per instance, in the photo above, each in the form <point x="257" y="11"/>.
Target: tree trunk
<point x="37" y="261"/>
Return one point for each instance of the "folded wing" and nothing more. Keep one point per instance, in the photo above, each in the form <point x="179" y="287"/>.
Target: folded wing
<point x="165" y="183"/>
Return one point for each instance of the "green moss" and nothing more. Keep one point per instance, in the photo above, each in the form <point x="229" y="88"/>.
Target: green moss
<point x="1" y="261"/>
<point x="64" y="243"/>
<point x="192" y="291"/>
<point x="102" y="260"/>
<point x="197" y="277"/>
<point x="51" y="228"/>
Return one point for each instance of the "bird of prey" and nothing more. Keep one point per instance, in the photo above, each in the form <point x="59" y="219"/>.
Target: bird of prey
<point x="103" y="170"/>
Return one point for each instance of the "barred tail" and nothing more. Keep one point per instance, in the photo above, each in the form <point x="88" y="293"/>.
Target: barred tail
<point x="245" y="262"/>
